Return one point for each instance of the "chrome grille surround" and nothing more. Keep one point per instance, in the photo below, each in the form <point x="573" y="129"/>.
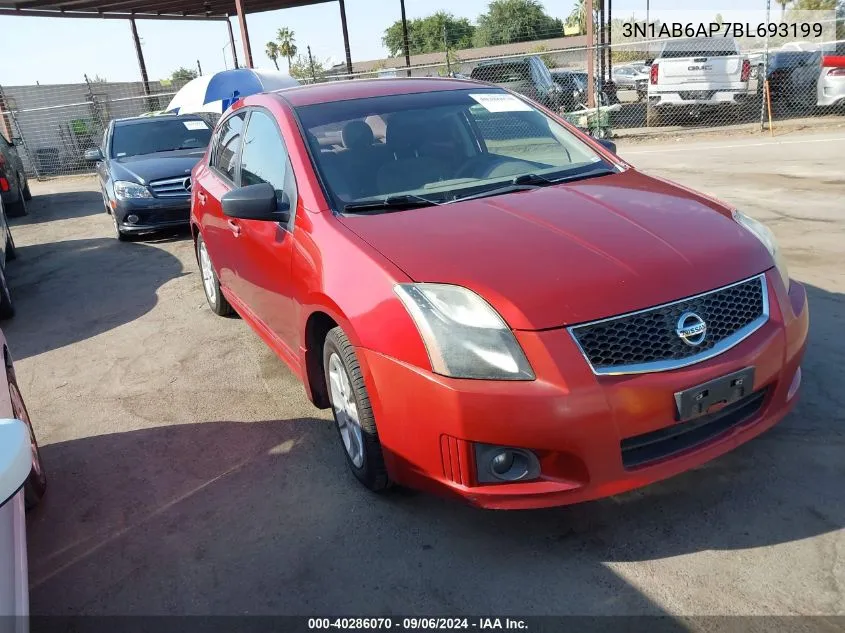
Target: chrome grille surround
<point x="645" y="340"/>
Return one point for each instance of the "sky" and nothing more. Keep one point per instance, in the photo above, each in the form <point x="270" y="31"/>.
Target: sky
<point x="44" y="53"/>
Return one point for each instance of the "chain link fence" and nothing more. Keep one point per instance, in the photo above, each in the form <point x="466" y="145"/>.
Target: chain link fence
<point x="640" y="87"/>
<point x="53" y="125"/>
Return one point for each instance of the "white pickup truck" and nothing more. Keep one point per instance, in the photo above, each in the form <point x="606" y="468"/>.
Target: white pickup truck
<point x="690" y="76"/>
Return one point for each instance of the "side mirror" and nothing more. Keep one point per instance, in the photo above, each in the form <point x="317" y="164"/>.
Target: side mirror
<point x="93" y="154"/>
<point x="15" y="457"/>
<point x="608" y="144"/>
<point x="255" y="202"/>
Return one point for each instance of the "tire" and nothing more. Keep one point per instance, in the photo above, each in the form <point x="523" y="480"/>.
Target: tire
<point x="120" y="235"/>
<point x="210" y="283"/>
<point x="349" y="398"/>
<point x="27" y="194"/>
<point x="18" y="208"/>
<point x="652" y="117"/>
<point x="11" y="250"/>
<point x="36" y="483"/>
<point x="7" y="306"/>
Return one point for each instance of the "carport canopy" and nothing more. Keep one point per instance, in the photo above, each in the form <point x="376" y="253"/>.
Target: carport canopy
<point x="176" y="10"/>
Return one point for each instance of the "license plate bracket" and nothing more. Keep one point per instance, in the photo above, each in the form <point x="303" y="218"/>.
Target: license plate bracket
<point x="696" y="401"/>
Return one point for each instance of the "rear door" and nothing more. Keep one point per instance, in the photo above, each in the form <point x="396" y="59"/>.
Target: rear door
<point x="213" y="181"/>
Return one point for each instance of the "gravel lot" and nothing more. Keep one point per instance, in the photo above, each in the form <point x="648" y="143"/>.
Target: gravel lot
<point x="190" y="475"/>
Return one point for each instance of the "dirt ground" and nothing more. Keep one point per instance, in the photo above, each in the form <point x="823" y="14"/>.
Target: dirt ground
<point x="189" y="474"/>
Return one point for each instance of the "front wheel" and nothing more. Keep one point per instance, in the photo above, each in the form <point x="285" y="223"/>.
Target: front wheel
<point x="353" y="414"/>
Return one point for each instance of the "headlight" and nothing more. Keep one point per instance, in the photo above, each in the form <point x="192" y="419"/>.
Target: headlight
<point x="125" y="190"/>
<point x="764" y="234"/>
<point x="464" y="336"/>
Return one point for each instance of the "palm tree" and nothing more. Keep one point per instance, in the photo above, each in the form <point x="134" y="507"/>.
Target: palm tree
<point x="272" y="51"/>
<point x="578" y="16"/>
<point x="287" y="44"/>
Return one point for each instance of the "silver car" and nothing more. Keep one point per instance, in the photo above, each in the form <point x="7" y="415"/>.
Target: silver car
<point x="631" y="77"/>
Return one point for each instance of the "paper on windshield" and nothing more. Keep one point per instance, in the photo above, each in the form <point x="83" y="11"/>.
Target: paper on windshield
<point x="196" y="125"/>
<point x="501" y="103"/>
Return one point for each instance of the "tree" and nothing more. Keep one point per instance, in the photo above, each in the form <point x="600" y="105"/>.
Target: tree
<point x="304" y="68"/>
<point x="183" y="74"/>
<point x="287" y="45"/>
<point x="783" y="4"/>
<point x="271" y="49"/>
<point x="429" y="34"/>
<point x="578" y="16"/>
<point x="509" y="21"/>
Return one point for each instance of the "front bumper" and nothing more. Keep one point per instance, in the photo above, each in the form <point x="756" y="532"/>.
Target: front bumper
<point x="574" y="421"/>
<point x="154" y="214"/>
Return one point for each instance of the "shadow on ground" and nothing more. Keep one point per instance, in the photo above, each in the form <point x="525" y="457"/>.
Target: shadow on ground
<point x="69" y="291"/>
<point x="263" y="517"/>
<point x="61" y="206"/>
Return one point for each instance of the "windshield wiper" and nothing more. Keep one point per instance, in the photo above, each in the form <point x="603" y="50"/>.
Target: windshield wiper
<point x="390" y="203"/>
<point x="527" y="182"/>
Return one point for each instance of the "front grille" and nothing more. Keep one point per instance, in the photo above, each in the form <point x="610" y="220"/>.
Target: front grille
<point x="171" y="188"/>
<point x="644" y="449"/>
<point x="689" y="95"/>
<point x="648" y="341"/>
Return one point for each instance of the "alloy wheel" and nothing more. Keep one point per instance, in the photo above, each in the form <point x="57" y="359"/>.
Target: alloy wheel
<point x="207" y="274"/>
<point x="346" y="411"/>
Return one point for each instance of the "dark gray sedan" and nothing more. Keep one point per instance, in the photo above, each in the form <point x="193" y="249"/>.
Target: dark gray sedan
<point x="144" y="164"/>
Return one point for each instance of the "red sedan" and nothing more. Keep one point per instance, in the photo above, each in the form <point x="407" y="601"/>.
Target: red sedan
<point x="494" y="305"/>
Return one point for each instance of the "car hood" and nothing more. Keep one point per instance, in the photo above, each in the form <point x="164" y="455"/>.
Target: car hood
<point x="147" y="167"/>
<point x="571" y="253"/>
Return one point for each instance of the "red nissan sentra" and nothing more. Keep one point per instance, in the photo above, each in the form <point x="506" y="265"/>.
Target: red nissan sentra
<point x="494" y="305"/>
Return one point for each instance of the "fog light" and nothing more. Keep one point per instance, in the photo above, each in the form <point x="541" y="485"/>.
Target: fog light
<point x="796" y="382"/>
<point x="500" y="464"/>
<point x="132" y="219"/>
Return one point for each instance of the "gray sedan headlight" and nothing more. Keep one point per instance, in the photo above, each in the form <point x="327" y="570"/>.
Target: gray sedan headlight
<point x="464" y="336"/>
<point x="125" y="190"/>
<point x="765" y="235"/>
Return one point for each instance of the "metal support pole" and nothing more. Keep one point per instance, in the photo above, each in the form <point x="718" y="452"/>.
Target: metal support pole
<point x="140" y="55"/>
<point x="199" y="68"/>
<point x="761" y="81"/>
<point x="232" y="41"/>
<point x="311" y="66"/>
<point x="239" y="8"/>
<point x="591" y="53"/>
<point x="345" y="36"/>
<point x="601" y="43"/>
<point x="405" y="43"/>
<point x="610" y="39"/>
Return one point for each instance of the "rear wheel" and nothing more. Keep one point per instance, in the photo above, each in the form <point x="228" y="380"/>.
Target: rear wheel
<point x="353" y="414"/>
<point x="36" y="484"/>
<point x="11" y="251"/>
<point x="7" y="306"/>
<point x="27" y="194"/>
<point x="18" y="208"/>
<point x="210" y="283"/>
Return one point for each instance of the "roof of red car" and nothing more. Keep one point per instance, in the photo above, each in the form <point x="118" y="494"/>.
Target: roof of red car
<point x="363" y="88"/>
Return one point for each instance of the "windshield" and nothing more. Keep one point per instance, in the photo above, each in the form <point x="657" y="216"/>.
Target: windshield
<point x="163" y="135"/>
<point x="441" y="146"/>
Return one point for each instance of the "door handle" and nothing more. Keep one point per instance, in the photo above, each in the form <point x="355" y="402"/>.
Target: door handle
<point x="235" y="227"/>
<point x="201" y="197"/>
